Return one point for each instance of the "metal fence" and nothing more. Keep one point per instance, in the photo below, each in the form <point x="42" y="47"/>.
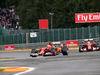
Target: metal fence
<point x="47" y="35"/>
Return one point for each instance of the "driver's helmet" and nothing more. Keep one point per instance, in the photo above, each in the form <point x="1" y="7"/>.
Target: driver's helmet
<point x="50" y="43"/>
<point x="88" y="41"/>
<point x="48" y="46"/>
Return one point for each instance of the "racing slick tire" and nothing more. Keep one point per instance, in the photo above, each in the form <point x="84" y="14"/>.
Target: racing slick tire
<point x="80" y="51"/>
<point x="33" y="55"/>
<point x="33" y="51"/>
<point x="80" y="47"/>
<point x="97" y="46"/>
<point x="65" y="51"/>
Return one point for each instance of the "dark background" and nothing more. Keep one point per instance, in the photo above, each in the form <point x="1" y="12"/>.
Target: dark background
<point x="30" y="11"/>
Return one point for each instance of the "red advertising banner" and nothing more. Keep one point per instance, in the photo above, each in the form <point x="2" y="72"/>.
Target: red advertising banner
<point x="43" y="24"/>
<point x="9" y="47"/>
<point x="72" y="43"/>
<point x="87" y="17"/>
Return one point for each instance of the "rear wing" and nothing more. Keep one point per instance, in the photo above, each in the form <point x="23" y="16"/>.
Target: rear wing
<point x="56" y="42"/>
<point x="88" y="39"/>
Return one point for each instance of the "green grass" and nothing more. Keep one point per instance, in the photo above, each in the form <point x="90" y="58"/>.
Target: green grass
<point x="1" y="69"/>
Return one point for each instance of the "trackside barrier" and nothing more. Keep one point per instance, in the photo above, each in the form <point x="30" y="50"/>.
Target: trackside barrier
<point x="39" y="45"/>
<point x="25" y="46"/>
<point x="19" y="47"/>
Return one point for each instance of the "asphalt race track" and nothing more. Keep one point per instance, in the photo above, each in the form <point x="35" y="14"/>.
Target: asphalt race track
<point x="86" y="63"/>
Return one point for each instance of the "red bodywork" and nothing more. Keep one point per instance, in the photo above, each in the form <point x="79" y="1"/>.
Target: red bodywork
<point x="42" y="50"/>
<point x="47" y="49"/>
<point x="89" y="47"/>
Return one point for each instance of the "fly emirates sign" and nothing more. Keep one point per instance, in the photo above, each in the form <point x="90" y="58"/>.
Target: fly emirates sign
<point x="87" y="17"/>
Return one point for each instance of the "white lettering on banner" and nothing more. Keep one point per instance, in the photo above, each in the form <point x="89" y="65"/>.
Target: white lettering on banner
<point x="82" y="17"/>
<point x="9" y="48"/>
<point x="87" y="17"/>
<point x="94" y="17"/>
<point x="91" y="17"/>
<point x="71" y="44"/>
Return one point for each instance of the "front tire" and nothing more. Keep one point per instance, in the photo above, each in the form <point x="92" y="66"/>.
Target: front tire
<point x="80" y="47"/>
<point x="33" y="51"/>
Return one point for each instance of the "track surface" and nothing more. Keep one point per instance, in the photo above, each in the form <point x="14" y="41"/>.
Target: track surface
<point x="86" y="63"/>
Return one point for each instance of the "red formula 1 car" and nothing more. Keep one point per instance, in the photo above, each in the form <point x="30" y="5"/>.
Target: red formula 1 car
<point x="89" y="46"/>
<point x="53" y="49"/>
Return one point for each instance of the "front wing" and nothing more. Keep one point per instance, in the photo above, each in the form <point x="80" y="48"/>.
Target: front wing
<point x="85" y="49"/>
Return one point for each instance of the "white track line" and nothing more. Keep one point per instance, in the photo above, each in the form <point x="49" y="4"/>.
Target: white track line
<point x="30" y="69"/>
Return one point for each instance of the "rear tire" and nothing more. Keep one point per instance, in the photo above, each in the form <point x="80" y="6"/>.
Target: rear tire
<point x="97" y="46"/>
<point x="65" y="51"/>
<point x="34" y="56"/>
<point x="33" y="50"/>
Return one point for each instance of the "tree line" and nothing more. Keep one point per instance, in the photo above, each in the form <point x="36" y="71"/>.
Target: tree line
<point x="30" y="11"/>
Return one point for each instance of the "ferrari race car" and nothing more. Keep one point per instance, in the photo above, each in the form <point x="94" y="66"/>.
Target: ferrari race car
<point x="89" y="46"/>
<point x="53" y="49"/>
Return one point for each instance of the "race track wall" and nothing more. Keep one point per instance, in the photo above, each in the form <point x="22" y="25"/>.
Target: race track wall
<point x="26" y="46"/>
<point x="39" y="45"/>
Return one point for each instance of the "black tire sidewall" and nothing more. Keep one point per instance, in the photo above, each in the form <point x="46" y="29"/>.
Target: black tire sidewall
<point x="64" y="51"/>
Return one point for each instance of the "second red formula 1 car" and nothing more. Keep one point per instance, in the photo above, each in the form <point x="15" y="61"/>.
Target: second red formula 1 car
<point x="53" y="49"/>
<point x="89" y="46"/>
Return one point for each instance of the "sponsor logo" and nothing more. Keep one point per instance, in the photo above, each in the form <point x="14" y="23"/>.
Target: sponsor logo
<point x="72" y="43"/>
<point x="87" y="17"/>
<point x="9" y="47"/>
